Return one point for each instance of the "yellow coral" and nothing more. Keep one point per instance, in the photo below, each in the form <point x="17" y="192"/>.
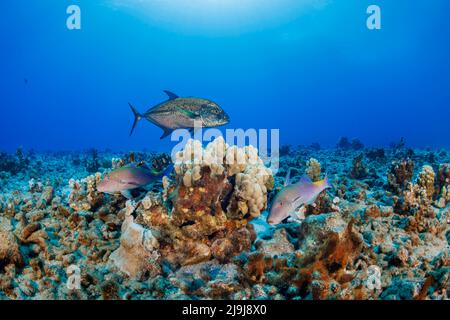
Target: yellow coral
<point x="253" y="179"/>
<point x="426" y="180"/>
<point x="313" y="169"/>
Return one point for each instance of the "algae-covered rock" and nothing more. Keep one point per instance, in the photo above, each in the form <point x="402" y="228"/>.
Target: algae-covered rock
<point x="216" y="192"/>
<point x="137" y="253"/>
<point x="9" y="245"/>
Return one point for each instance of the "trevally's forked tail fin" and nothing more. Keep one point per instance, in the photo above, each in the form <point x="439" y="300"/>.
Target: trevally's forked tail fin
<point x="137" y="118"/>
<point x="166" y="172"/>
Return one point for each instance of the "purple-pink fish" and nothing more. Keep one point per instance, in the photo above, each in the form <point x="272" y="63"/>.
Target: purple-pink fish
<point x="293" y="196"/>
<point x="130" y="177"/>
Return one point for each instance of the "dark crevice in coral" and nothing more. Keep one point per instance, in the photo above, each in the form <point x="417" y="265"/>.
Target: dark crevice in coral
<point x="187" y="223"/>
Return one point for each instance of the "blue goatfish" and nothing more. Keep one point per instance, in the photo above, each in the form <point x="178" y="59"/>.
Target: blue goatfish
<point x="293" y="196"/>
<point x="130" y="177"/>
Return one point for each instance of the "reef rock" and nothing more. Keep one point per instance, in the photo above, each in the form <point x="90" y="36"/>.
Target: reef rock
<point x="209" y="279"/>
<point x="276" y="246"/>
<point x="137" y="253"/>
<point x="399" y="175"/>
<point x="216" y="192"/>
<point x="9" y="246"/>
<point x="315" y="229"/>
<point x="443" y="185"/>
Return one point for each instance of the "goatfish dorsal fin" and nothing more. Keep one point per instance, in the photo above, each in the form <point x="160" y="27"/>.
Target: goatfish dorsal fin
<point x="287" y="180"/>
<point x="305" y="179"/>
<point x="171" y="95"/>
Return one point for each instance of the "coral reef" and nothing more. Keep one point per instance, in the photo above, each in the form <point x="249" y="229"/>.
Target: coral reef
<point x="443" y="185"/>
<point x="313" y="169"/>
<point x="217" y="191"/>
<point x="375" y="154"/>
<point x="345" y="144"/>
<point x="359" y="169"/>
<point x="381" y="232"/>
<point x="426" y="181"/>
<point x="400" y="175"/>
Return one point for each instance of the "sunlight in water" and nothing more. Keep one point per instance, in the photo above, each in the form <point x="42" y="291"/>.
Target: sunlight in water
<point x="218" y="16"/>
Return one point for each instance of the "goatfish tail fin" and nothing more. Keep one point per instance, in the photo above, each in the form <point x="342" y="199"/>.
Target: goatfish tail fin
<point x="137" y="117"/>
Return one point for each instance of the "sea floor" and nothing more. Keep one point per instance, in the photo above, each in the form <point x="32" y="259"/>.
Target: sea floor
<point x="381" y="232"/>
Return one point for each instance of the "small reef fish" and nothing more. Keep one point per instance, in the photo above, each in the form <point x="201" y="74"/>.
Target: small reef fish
<point x="293" y="196"/>
<point x="181" y="113"/>
<point x="130" y="177"/>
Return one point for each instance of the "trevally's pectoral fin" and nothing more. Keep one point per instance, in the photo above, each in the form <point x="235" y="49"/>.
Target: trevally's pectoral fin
<point x="166" y="133"/>
<point x="194" y="130"/>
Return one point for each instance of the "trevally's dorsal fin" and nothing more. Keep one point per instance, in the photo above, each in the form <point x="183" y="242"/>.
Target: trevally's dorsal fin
<point x="171" y="95"/>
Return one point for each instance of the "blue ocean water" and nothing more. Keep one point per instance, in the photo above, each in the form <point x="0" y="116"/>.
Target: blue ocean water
<point x="310" y="68"/>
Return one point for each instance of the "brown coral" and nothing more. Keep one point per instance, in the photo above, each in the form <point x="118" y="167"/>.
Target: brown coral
<point x="359" y="168"/>
<point x="9" y="246"/>
<point x="217" y="191"/>
<point x="313" y="169"/>
<point x="399" y="175"/>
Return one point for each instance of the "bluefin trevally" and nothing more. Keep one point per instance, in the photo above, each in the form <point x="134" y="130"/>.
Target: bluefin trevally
<point x="182" y="113"/>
